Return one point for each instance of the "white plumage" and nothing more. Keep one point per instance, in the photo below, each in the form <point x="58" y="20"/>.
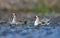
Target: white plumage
<point x="14" y="19"/>
<point x="36" y="21"/>
<point x="44" y="21"/>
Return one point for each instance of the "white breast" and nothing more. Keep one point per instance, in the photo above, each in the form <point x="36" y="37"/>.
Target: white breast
<point x="36" y="21"/>
<point x="14" y="19"/>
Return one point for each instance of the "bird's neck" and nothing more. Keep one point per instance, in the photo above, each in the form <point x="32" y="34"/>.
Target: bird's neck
<point x="37" y="19"/>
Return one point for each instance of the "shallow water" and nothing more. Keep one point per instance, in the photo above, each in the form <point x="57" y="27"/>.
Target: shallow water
<point x="29" y="31"/>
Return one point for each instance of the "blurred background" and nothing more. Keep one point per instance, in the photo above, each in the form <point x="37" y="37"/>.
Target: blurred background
<point x="26" y="10"/>
<point x="29" y="7"/>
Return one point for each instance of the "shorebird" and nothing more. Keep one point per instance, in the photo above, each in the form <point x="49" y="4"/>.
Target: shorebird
<point x="36" y="21"/>
<point x="14" y="20"/>
<point x="44" y="21"/>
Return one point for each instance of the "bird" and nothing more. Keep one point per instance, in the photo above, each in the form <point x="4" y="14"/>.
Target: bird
<point x="44" y="21"/>
<point x="14" y="20"/>
<point x="36" y="21"/>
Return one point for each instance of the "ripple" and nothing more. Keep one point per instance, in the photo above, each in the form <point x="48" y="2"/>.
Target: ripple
<point x="29" y="31"/>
